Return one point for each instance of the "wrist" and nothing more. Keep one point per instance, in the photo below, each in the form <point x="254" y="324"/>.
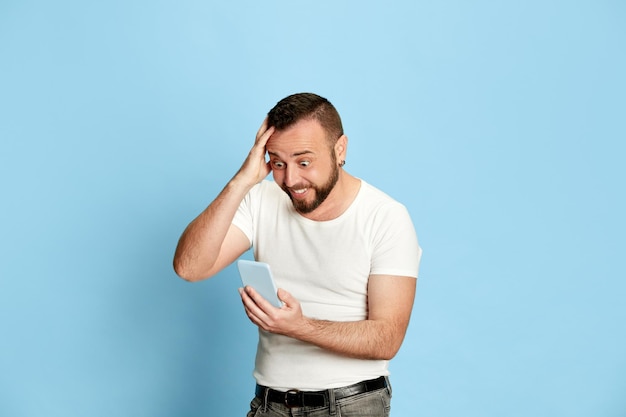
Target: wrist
<point x="239" y="183"/>
<point x="305" y="330"/>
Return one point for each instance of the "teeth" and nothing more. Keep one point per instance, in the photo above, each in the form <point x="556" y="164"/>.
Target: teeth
<point x="299" y="191"/>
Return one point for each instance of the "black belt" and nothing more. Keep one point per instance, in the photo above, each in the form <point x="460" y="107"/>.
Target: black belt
<point x="296" y="398"/>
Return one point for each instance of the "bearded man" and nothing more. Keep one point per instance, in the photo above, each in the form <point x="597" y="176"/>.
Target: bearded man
<point x="344" y="255"/>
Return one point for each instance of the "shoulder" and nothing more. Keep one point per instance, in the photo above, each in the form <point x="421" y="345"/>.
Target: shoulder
<point x="381" y="213"/>
<point x="376" y="200"/>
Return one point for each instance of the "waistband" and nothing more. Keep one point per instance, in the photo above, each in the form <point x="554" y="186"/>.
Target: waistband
<point x="296" y="398"/>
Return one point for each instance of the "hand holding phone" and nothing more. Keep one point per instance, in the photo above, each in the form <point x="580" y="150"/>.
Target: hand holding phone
<point x="259" y="276"/>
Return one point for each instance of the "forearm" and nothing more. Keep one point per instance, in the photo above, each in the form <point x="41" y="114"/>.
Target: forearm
<point x="366" y="339"/>
<point x="200" y="244"/>
<point x="206" y="246"/>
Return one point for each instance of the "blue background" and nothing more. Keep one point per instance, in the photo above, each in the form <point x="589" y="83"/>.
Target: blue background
<point x="500" y="125"/>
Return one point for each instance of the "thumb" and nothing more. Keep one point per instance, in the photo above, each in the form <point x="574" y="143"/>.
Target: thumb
<point x="286" y="298"/>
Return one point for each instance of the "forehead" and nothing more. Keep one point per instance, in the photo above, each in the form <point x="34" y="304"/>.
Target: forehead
<point x="305" y="135"/>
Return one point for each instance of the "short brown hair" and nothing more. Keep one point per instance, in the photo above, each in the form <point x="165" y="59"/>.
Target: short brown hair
<point x="303" y="106"/>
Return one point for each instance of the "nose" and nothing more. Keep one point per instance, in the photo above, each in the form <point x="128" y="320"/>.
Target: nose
<point x="291" y="176"/>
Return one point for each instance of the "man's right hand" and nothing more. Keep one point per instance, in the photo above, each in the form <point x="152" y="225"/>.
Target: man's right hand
<point x="255" y="168"/>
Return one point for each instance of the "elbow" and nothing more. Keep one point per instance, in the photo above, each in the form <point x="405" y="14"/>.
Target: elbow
<point x="186" y="273"/>
<point x="389" y="347"/>
<point x="189" y="268"/>
<point x="388" y="353"/>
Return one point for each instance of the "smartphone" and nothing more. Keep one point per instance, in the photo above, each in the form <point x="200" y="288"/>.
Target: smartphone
<point x="259" y="276"/>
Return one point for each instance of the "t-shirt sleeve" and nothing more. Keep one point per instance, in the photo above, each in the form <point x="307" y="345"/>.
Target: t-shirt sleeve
<point x="396" y="250"/>
<point x="243" y="216"/>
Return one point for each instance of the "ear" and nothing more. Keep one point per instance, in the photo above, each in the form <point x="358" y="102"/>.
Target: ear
<point x="341" y="147"/>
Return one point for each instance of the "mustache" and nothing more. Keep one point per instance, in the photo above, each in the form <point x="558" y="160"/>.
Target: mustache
<point x="298" y="186"/>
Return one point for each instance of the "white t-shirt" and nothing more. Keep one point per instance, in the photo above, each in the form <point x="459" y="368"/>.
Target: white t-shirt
<point x="325" y="266"/>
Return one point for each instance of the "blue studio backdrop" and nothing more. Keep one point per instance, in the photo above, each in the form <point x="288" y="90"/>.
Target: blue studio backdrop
<point x="500" y="125"/>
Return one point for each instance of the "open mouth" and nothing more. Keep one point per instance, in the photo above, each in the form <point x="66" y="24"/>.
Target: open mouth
<point x="298" y="192"/>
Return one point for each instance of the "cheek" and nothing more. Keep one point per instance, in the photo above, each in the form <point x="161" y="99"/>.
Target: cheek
<point x="279" y="176"/>
<point x="317" y="176"/>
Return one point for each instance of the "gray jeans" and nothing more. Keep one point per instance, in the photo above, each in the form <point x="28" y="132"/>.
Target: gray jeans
<point x="369" y="404"/>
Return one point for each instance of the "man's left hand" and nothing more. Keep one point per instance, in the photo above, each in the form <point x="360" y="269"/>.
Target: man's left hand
<point x="285" y="320"/>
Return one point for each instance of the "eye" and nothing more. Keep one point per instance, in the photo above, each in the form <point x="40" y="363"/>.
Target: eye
<point x="278" y="164"/>
<point x="305" y="163"/>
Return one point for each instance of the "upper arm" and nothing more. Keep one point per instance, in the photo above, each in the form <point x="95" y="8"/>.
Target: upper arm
<point x="234" y="245"/>
<point x="390" y="300"/>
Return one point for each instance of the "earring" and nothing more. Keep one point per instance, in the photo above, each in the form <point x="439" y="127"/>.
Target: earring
<point x="342" y="163"/>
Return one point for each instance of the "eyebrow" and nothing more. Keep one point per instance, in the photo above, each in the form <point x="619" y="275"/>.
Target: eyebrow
<point x="306" y="152"/>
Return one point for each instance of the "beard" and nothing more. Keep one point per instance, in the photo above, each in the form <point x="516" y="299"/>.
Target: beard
<point x="321" y="192"/>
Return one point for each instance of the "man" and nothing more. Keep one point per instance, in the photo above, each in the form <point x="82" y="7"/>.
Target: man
<point x="344" y="256"/>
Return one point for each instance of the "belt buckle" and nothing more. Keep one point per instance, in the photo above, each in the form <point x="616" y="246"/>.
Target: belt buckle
<point x="292" y="393"/>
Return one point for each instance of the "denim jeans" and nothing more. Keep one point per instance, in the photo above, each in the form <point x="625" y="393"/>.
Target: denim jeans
<point x="369" y="404"/>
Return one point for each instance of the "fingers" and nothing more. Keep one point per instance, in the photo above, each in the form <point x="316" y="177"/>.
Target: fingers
<point x="255" y="168"/>
<point x="245" y="299"/>
<point x="264" y="134"/>
<point x="257" y="308"/>
<point x="262" y="141"/>
<point x="262" y="129"/>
